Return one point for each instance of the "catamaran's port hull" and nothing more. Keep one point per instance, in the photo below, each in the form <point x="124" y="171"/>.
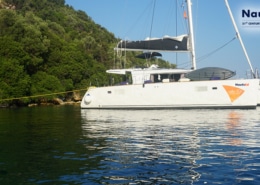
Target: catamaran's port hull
<point x="227" y="94"/>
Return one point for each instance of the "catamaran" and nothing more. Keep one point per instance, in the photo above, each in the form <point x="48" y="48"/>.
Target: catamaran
<point x="153" y="87"/>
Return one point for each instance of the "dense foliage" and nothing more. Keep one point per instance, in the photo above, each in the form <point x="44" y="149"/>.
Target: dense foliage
<point x="48" y="47"/>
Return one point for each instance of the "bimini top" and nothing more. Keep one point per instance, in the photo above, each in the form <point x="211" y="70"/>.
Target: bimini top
<point x="153" y="69"/>
<point x="167" y="43"/>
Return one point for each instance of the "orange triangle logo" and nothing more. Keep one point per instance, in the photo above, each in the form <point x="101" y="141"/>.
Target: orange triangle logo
<point x="233" y="92"/>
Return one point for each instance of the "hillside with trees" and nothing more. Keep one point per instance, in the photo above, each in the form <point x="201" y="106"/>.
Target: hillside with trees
<point x="46" y="47"/>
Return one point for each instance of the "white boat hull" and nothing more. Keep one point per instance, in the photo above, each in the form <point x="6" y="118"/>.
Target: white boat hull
<point x="258" y="97"/>
<point x="193" y="94"/>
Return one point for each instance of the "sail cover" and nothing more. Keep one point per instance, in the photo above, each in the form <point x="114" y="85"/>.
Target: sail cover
<point x="177" y="44"/>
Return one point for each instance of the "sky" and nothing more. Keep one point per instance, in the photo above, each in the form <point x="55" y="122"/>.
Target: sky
<point x="139" y="19"/>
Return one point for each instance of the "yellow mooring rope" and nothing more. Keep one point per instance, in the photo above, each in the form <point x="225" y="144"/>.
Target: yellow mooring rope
<point x="41" y="95"/>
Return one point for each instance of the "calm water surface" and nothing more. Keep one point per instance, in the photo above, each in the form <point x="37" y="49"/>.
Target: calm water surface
<point x="67" y="145"/>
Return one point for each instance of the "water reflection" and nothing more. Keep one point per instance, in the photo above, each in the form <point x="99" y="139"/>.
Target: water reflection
<point x="67" y="145"/>
<point x="166" y="146"/>
<point x="233" y="123"/>
<point x="140" y="146"/>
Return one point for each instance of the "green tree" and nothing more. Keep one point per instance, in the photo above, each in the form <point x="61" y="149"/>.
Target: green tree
<point x="48" y="47"/>
<point x="43" y="83"/>
<point x="14" y="82"/>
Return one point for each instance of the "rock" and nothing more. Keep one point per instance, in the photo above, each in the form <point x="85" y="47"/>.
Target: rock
<point x="57" y="101"/>
<point x="76" y="96"/>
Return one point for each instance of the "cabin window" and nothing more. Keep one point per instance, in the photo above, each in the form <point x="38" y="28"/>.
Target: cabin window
<point x="159" y="77"/>
<point x="174" y="77"/>
<point x="164" y="76"/>
<point x="125" y="79"/>
<point x="156" y="78"/>
<point x="177" y="77"/>
<point x="128" y="77"/>
<point x="111" y="80"/>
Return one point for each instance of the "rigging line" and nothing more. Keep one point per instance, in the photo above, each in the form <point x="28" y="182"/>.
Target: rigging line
<point x="122" y="19"/>
<point x="184" y="64"/>
<point x="176" y="18"/>
<point x="196" y="21"/>
<point x="154" y="2"/>
<point x="167" y="26"/>
<point x="214" y="51"/>
<point x="185" y="20"/>
<point x="176" y="55"/>
<point x="180" y="9"/>
<point x="137" y="21"/>
<point x="41" y="95"/>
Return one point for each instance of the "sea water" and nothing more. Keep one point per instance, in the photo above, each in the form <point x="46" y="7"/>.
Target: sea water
<point x="68" y="145"/>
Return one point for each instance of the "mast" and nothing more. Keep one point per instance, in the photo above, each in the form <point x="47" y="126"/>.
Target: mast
<point x="192" y="45"/>
<point x="239" y="37"/>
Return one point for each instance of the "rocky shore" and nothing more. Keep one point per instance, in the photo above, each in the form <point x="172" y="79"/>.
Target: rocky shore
<point x="70" y="98"/>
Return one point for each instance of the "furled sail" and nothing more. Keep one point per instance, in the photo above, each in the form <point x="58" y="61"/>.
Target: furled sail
<point x="174" y="44"/>
<point x="148" y="55"/>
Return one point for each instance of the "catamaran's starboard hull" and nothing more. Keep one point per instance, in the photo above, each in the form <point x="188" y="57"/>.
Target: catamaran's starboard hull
<point x="196" y="94"/>
<point x="258" y="97"/>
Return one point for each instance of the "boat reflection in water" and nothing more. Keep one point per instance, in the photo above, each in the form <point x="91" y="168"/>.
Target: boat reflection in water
<point x="233" y="123"/>
<point x="166" y="146"/>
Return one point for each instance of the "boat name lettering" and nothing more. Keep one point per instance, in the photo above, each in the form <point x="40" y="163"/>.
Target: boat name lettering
<point x="242" y="84"/>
